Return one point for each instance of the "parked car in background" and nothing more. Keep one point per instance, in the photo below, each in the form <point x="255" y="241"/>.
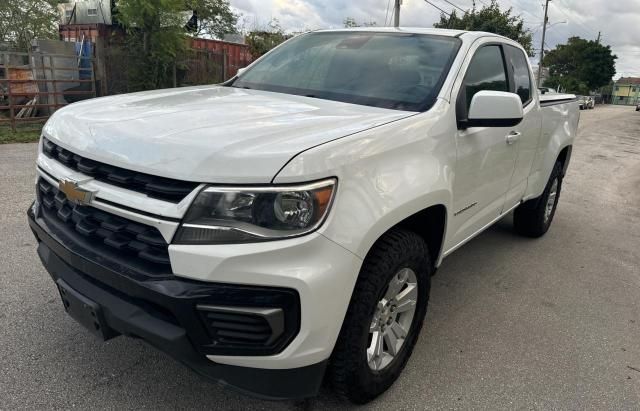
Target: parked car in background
<point x="281" y="229"/>
<point x="582" y="101"/>
<point x="591" y="102"/>
<point x="586" y="102"/>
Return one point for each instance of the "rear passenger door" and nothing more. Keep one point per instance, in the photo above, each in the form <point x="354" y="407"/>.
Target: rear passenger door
<point x="529" y="129"/>
<point x="485" y="159"/>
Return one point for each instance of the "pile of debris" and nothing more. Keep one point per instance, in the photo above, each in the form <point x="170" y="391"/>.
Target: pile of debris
<point x="19" y="89"/>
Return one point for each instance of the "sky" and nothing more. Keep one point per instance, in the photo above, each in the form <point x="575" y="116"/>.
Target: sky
<point x="617" y="20"/>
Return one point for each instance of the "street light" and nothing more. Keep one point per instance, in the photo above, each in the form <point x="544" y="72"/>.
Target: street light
<point x="559" y="22"/>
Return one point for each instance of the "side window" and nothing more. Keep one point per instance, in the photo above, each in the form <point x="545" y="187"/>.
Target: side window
<point x="521" y="75"/>
<point x="486" y="72"/>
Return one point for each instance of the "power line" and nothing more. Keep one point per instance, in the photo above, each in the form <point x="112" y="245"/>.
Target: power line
<point x="586" y="30"/>
<point x="444" y="12"/>
<point x="481" y="1"/>
<point x="578" y="16"/>
<point x="516" y="6"/>
<point x="533" y="33"/>
<point x="459" y="8"/>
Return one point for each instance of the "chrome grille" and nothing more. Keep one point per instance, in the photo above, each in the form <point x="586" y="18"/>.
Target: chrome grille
<point x="153" y="186"/>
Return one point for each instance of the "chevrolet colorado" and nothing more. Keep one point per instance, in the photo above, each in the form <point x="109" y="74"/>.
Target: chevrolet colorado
<point x="282" y="228"/>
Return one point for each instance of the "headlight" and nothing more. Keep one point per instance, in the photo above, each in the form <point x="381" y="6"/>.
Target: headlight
<point x="223" y="215"/>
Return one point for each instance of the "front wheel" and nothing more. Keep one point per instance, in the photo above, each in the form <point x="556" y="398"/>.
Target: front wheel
<point x="384" y="318"/>
<point x="534" y="217"/>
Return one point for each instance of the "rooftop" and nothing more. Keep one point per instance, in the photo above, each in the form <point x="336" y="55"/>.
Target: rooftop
<point x="628" y="80"/>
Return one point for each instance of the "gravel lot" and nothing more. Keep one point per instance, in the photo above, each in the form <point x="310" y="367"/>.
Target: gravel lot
<point x="513" y="323"/>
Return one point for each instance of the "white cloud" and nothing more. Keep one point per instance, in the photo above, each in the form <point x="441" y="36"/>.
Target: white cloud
<point x="617" y="20"/>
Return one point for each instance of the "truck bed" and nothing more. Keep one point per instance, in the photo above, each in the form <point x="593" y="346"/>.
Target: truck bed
<point x="556" y="98"/>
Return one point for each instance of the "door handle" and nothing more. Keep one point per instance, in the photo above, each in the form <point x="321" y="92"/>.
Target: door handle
<point x="513" y="136"/>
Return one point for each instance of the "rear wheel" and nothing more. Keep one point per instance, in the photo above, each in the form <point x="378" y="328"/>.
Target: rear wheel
<point x="534" y="217"/>
<point x="384" y="318"/>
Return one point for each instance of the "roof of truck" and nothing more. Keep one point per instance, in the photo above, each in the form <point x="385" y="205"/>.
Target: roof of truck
<point x="418" y="30"/>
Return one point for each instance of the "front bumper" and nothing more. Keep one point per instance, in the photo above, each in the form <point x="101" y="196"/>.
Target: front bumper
<point x="162" y="312"/>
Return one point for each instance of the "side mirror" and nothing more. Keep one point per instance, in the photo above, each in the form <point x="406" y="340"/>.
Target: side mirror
<point x="240" y="71"/>
<point x="494" y="109"/>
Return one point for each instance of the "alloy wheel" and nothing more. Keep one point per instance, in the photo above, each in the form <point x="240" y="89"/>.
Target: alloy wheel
<point x="392" y="319"/>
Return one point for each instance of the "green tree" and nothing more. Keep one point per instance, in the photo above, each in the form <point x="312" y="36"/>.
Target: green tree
<point x="491" y="19"/>
<point x="22" y="21"/>
<point x="156" y="31"/>
<point x="261" y="40"/>
<point x="350" y="22"/>
<point x="580" y="66"/>
<point x="215" y="18"/>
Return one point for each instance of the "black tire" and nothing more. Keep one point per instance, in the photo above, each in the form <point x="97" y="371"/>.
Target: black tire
<point x="349" y="373"/>
<point x="529" y="218"/>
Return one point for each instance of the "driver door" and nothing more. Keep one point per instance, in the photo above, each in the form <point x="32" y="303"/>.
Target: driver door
<point x="485" y="157"/>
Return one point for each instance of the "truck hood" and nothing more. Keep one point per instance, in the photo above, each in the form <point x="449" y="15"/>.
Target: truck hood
<point x="207" y="134"/>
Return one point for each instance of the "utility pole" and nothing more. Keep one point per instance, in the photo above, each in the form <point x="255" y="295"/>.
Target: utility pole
<point x="396" y="13"/>
<point x="544" y="32"/>
<point x="598" y="40"/>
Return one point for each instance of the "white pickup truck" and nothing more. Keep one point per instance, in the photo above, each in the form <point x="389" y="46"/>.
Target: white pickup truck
<point x="282" y="228"/>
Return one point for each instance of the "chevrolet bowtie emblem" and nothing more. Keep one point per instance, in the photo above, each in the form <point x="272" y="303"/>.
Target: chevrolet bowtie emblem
<point x="74" y="193"/>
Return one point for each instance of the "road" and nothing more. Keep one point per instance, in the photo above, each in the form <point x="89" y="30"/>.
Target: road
<point x="552" y="323"/>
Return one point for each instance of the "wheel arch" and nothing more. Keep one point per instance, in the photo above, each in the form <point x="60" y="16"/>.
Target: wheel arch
<point x="564" y="157"/>
<point x="430" y="224"/>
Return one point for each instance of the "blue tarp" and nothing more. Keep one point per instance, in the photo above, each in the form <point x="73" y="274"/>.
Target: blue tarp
<point x="85" y="51"/>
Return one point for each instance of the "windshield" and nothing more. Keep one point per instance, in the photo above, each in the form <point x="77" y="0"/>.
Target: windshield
<point x="391" y="70"/>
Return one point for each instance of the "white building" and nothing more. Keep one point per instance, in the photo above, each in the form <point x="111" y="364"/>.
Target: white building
<point x="85" y="12"/>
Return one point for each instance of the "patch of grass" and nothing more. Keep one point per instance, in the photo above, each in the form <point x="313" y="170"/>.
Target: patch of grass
<point x="21" y="135"/>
